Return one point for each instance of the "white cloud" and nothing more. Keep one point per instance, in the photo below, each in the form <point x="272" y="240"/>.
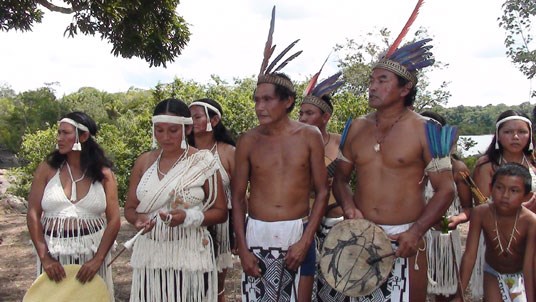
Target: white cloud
<point x="228" y="38"/>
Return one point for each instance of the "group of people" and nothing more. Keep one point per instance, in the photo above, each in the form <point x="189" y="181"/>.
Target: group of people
<point x="283" y="186"/>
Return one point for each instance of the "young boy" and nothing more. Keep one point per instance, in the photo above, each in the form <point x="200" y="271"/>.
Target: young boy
<point x="510" y="233"/>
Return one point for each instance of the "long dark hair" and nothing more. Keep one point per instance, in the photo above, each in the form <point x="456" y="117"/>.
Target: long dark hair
<point x="221" y="133"/>
<point x="173" y="106"/>
<point x="92" y="157"/>
<point x="494" y="155"/>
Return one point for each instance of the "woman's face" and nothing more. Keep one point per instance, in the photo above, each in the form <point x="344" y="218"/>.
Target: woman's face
<point x="514" y="136"/>
<point x="168" y="135"/>
<point x="66" y="137"/>
<point x="200" y="119"/>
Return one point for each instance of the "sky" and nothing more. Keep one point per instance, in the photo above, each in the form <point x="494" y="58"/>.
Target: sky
<point x="228" y="39"/>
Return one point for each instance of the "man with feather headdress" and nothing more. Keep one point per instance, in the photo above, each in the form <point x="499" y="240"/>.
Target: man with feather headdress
<point x="279" y="159"/>
<point x="389" y="151"/>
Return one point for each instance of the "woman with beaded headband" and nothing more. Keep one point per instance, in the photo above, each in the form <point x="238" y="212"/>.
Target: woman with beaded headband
<point x="512" y="142"/>
<point x="73" y="210"/>
<point x="209" y="133"/>
<point x="174" y="193"/>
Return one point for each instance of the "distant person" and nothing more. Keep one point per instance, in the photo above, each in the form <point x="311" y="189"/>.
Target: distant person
<point x="73" y="209"/>
<point x="209" y="133"/>
<point x="316" y="110"/>
<point x="278" y="159"/>
<point x="510" y="233"/>
<point x="444" y="239"/>
<point x="174" y="193"/>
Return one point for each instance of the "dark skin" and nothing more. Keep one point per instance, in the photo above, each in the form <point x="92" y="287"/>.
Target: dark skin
<point x="389" y="182"/>
<point x="279" y="159"/>
<point x="508" y="194"/>
<point x="43" y="174"/>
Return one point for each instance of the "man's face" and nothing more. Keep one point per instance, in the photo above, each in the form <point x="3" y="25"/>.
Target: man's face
<point x="268" y="106"/>
<point x="384" y="89"/>
<point x="312" y="115"/>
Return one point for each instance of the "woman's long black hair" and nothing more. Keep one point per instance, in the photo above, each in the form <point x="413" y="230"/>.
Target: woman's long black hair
<point x="221" y="133"/>
<point x="92" y="157"/>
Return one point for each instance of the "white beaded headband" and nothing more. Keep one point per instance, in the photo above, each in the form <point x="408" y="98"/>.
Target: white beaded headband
<point x="77" y="146"/>
<point x="510" y="118"/>
<point x="207" y="106"/>
<point x="172" y="119"/>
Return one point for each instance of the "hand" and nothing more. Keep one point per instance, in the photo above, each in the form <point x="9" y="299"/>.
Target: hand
<point x="408" y="244"/>
<point x="353" y="213"/>
<point x="457" y="219"/>
<point x="531" y="203"/>
<point x="53" y="268"/>
<point x="88" y="270"/>
<point x="250" y="263"/>
<point x="177" y="217"/>
<point x="143" y="222"/>
<point x="295" y="255"/>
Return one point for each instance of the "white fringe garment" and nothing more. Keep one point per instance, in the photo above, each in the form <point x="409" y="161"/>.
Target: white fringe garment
<point x="176" y="263"/>
<point x="69" y="247"/>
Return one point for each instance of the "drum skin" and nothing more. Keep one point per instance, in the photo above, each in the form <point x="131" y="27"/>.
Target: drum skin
<point x="343" y="257"/>
<point x="69" y="289"/>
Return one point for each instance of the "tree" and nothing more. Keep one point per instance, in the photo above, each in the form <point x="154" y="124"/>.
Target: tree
<point x="359" y="57"/>
<point x="516" y="21"/>
<point x="148" y="29"/>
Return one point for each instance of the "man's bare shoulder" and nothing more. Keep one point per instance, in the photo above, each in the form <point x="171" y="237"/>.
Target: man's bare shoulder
<point x="304" y="128"/>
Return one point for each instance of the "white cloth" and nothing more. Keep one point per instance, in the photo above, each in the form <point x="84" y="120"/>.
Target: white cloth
<point x="511" y="286"/>
<point x="176" y="263"/>
<point x="269" y="241"/>
<point x="73" y="231"/>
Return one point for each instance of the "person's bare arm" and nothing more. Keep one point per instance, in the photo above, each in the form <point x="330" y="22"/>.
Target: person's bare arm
<point x="50" y="265"/>
<point x="436" y="207"/>
<point x="341" y="181"/>
<point x="138" y="220"/>
<point x="297" y="252"/>
<point x="238" y="192"/>
<point x="464" y="194"/>
<point x="482" y="176"/>
<point x="471" y="247"/>
<point x="90" y="268"/>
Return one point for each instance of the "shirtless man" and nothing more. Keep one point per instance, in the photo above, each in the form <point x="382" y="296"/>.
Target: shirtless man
<point x="279" y="159"/>
<point x="388" y="149"/>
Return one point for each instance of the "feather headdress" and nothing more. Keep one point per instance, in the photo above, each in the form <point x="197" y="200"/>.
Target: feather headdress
<point x="313" y="93"/>
<point x="267" y="72"/>
<point x="407" y="60"/>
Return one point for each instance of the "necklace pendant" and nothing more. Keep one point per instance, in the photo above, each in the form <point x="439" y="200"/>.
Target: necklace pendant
<point x="377" y="147"/>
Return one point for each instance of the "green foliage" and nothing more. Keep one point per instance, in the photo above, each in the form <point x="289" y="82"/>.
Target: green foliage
<point x="516" y="21"/>
<point x="25" y="113"/>
<point x="34" y="149"/>
<point x="148" y="29"/>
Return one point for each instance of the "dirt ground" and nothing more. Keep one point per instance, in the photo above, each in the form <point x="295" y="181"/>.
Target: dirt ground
<point x="17" y="263"/>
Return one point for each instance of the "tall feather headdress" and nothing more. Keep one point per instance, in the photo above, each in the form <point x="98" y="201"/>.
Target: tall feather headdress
<point x="313" y="93"/>
<point x="267" y="72"/>
<point x="407" y="60"/>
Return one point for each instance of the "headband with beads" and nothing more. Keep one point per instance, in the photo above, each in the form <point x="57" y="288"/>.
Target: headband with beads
<point x="172" y="119"/>
<point x="207" y="106"/>
<point x="509" y="118"/>
<point x="77" y="146"/>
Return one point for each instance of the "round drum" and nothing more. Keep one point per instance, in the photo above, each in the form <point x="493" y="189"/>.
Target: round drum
<point x="69" y="289"/>
<point x="344" y="255"/>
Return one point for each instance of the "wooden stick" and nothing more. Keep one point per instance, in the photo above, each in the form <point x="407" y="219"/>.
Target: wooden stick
<point x="373" y="259"/>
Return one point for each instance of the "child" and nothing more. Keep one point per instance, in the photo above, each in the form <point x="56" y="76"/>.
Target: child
<point x="510" y="233"/>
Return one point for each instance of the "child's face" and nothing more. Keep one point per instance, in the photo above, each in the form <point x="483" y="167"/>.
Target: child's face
<point x="508" y="193"/>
